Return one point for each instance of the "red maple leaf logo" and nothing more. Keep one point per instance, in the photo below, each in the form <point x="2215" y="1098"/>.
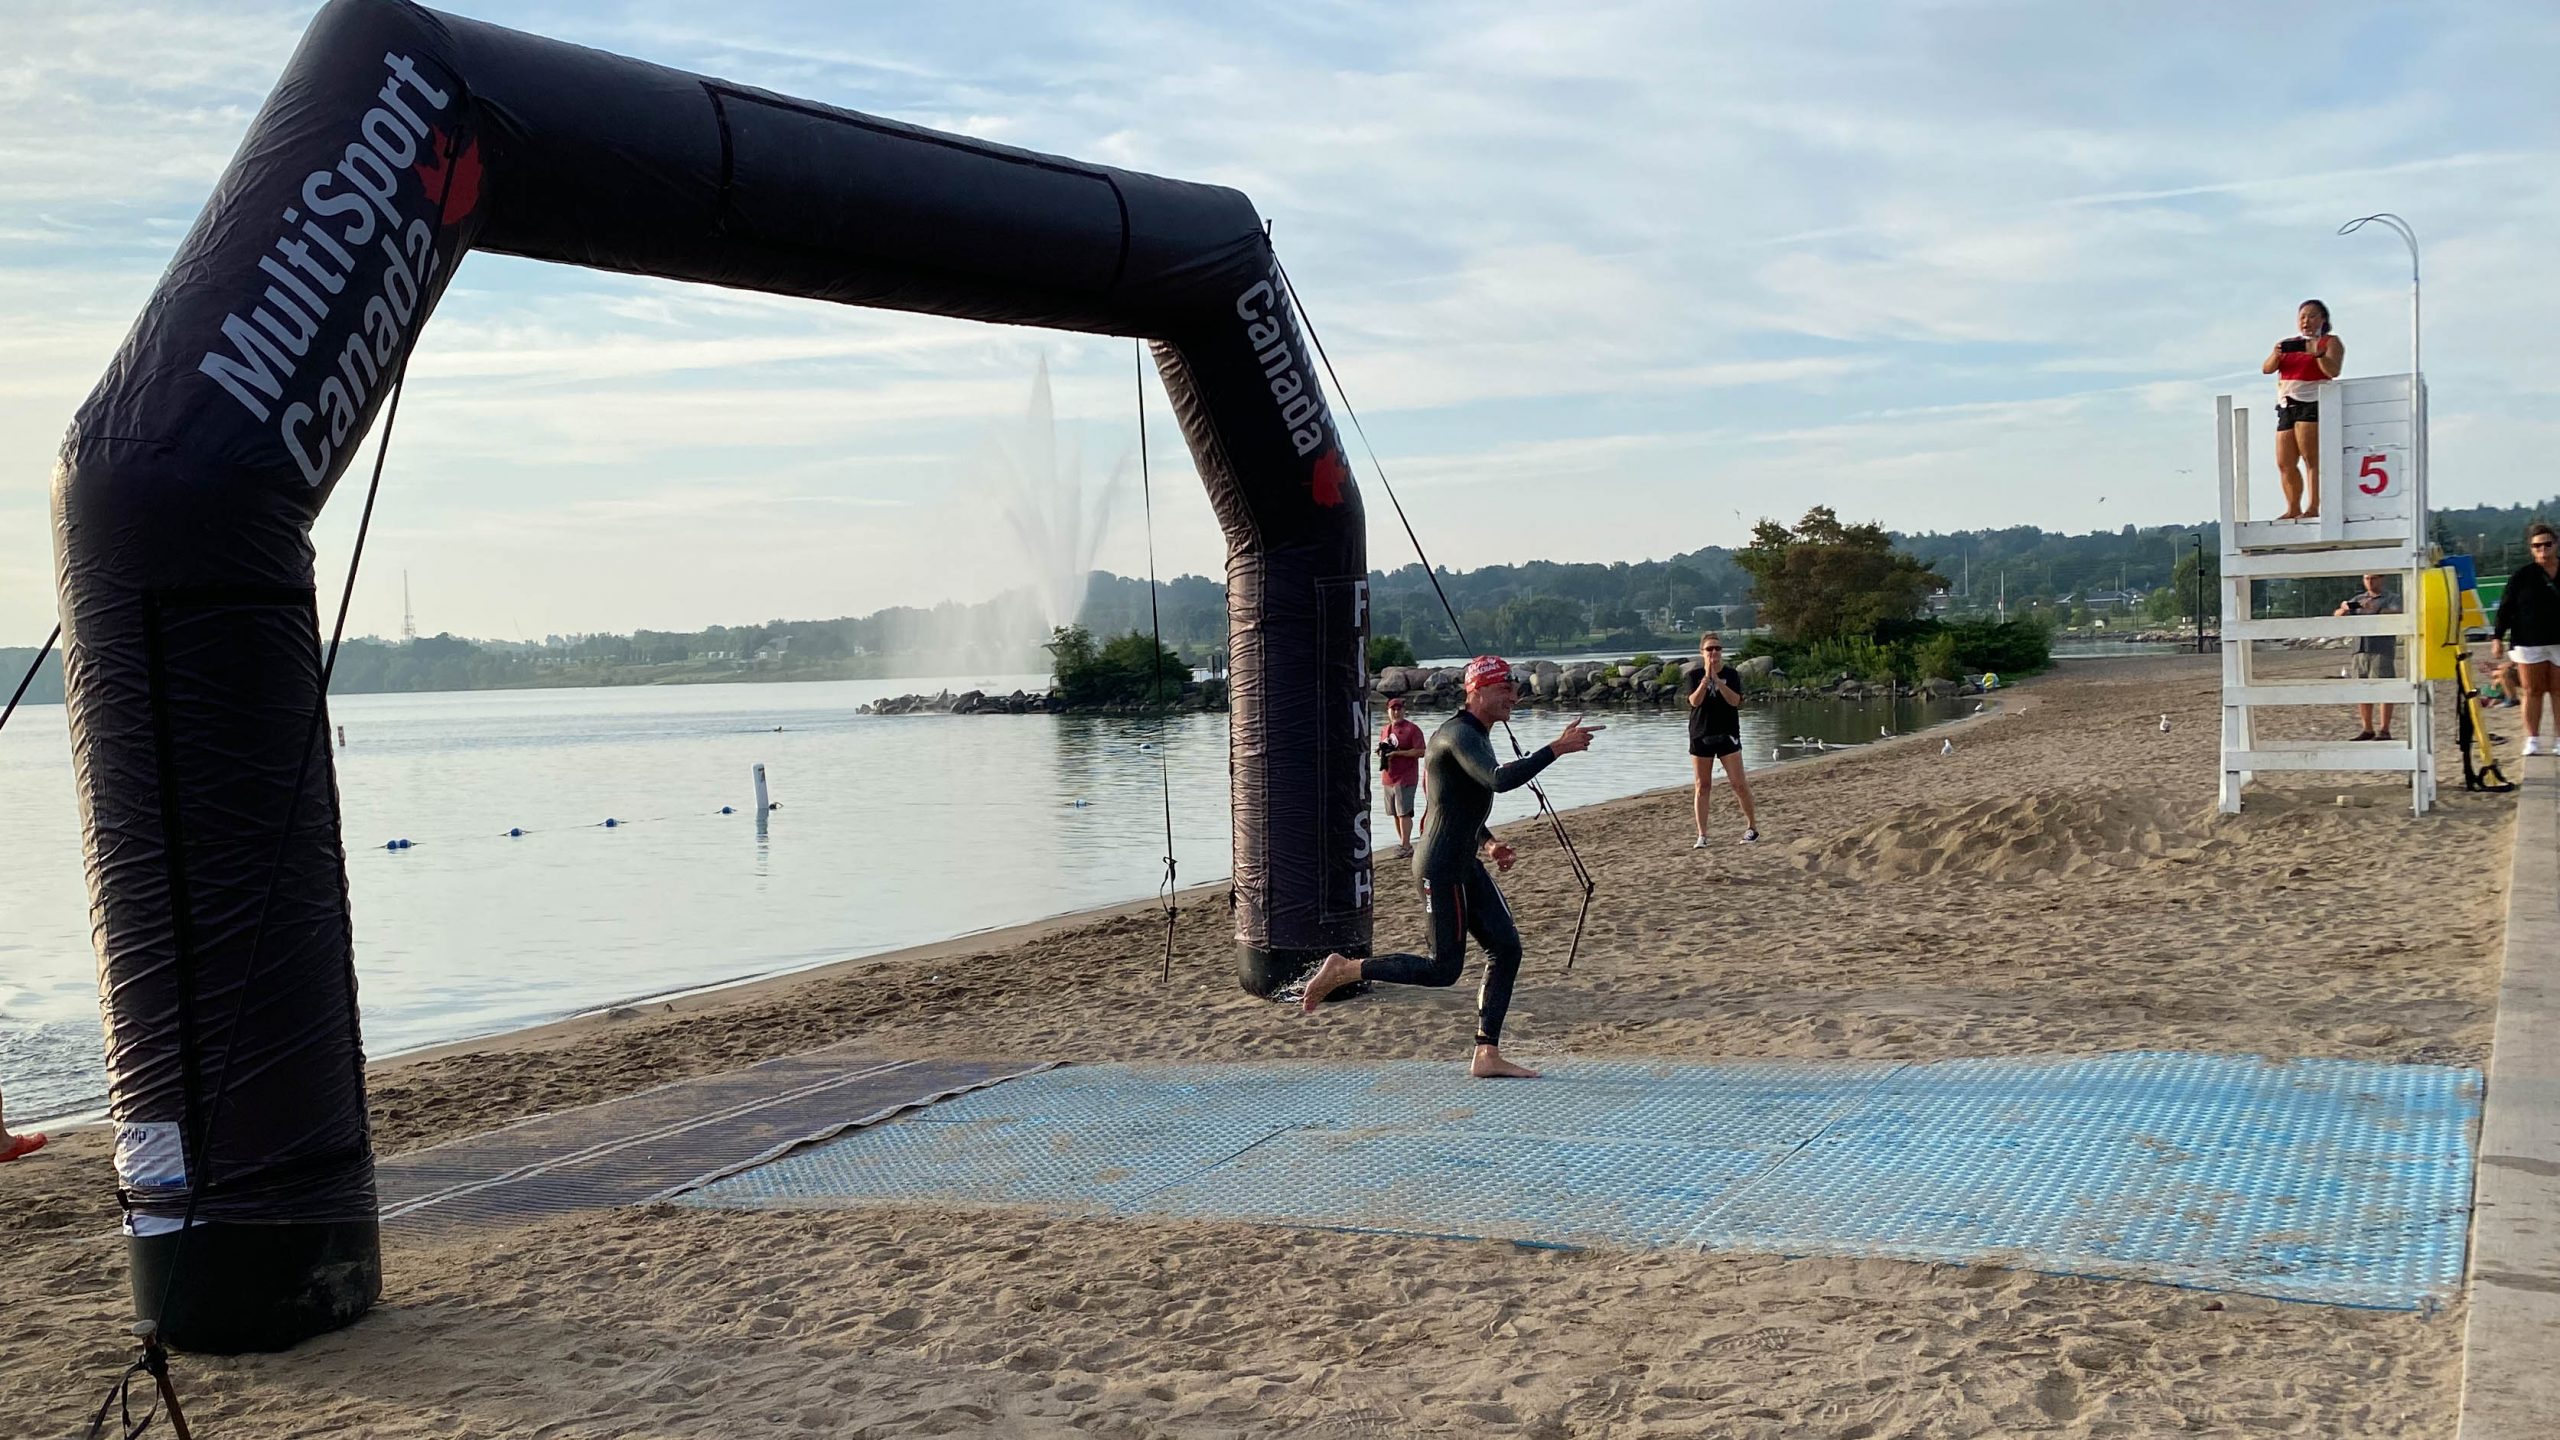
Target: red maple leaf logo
<point x="1331" y="475"/>
<point x="462" y="193"/>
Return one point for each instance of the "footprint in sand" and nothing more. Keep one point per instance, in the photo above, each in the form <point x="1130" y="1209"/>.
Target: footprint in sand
<point x="2058" y="1396"/>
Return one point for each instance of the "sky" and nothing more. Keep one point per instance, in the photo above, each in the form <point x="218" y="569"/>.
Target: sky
<point x="1605" y="281"/>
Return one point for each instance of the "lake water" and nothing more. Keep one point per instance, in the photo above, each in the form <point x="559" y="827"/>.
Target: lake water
<point x="894" y="831"/>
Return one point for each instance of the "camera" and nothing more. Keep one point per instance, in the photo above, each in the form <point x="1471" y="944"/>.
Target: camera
<point x="2294" y="346"/>
<point x="1386" y="748"/>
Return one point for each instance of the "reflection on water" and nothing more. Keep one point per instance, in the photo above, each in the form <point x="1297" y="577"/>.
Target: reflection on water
<point x="893" y="831"/>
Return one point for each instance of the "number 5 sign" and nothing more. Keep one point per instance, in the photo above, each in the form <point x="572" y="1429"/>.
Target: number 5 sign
<point x="2377" y="485"/>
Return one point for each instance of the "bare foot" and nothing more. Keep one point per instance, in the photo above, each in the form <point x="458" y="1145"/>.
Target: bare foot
<point x="2311" y="514"/>
<point x="1489" y="1065"/>
<point x="2290" y="515"/>
<point x="1337" y="971"/>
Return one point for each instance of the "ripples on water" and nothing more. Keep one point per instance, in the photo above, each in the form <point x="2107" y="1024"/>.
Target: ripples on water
<point x="894" y="831"/>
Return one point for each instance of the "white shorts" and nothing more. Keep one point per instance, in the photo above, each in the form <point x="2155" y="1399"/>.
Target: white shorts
<point x="2534" y="654"/>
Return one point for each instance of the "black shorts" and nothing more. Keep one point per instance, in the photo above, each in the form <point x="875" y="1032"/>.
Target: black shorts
<point x="1711" y="747"/>
<point x="2288" y="411"/>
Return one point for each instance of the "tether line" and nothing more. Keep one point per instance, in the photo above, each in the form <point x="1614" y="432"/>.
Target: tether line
<point x="1155" y="693"/>
<point x="1546" y="807"/>
<point x="30" y="678"/>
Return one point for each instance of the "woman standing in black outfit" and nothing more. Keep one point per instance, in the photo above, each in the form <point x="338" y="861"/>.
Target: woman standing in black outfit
<point x="1715" y="736"/>
<point x="2528" y="626"/>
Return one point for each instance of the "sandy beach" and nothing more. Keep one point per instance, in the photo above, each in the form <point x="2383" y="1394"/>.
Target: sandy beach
<point x="2057" y="884"/>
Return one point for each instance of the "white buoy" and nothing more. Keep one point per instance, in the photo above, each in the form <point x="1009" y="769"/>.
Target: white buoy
<point x="764" y="804"/>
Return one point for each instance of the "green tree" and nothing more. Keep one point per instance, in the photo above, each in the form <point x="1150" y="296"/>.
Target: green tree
<point x="1824" y="579"/>
<point x="1534" y="620"/>
<point x="1386" y="650"/>
<point x="1129" y="670"/>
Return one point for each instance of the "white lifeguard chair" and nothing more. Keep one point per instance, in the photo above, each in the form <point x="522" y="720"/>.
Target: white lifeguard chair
<point x="2373" y="520"/>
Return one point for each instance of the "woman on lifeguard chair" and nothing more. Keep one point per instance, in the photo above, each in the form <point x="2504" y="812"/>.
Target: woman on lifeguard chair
<point x="2299" y="364"/>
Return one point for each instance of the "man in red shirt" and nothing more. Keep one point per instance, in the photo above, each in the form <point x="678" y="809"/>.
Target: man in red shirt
<point x="1400" y="770"/>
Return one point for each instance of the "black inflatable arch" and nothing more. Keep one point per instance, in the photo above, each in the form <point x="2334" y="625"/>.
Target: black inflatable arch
<point x="397" y="139"/>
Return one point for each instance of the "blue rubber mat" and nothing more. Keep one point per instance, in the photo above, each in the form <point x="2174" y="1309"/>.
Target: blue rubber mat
<point x="2324" y="1180"/>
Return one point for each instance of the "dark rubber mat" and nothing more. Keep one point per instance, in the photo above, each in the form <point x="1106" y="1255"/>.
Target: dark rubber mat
<point x="660" y="1143"/>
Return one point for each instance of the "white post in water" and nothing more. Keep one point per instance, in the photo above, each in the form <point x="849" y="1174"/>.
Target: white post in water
<point x="764" y="806"/>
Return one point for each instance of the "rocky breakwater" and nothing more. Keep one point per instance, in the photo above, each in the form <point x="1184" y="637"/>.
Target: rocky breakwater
<point x="1642" y="681"/>
<point x="1198" y="695"/>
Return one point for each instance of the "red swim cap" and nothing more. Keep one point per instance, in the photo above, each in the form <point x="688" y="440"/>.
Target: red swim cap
<point x="1488" y="670"/>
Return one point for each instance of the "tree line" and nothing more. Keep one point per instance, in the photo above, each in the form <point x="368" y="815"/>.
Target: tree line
<point x="2149" y="572"/>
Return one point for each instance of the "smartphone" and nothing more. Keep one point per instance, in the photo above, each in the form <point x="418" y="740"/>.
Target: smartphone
<point x="2294" y="346"/>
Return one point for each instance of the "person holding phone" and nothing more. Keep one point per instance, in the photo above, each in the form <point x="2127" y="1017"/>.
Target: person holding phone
<point x="1463" y="775"/>
<point x="1400" y="771"/>
<point x="2300" y="363"/>
<point x="2377" y="656"/>
<point x="1715" y="736"/>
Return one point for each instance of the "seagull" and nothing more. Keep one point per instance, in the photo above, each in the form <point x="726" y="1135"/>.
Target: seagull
<point x="1882" y="733"/>
<point x="1946" y="747"/>
<point x="2164" y="724"/>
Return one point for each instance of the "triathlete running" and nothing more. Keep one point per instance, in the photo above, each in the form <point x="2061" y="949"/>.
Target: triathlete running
<point x="1462" y="774"/>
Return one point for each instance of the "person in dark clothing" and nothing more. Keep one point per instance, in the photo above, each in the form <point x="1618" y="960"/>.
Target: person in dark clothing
<point x="2528" y="628"/>
<point x="1462" y="774"/>
<point x="1715" y="735"/>
<point x="2377" y="656"/>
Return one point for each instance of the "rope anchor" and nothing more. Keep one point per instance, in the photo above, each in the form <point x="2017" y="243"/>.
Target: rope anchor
<point x="154" y="1362"/>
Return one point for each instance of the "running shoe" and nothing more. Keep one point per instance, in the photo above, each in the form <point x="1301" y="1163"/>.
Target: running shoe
<point x="1701" y="842"/>
<point x="2533" y="744"/>
<point x="1750" y="837"/>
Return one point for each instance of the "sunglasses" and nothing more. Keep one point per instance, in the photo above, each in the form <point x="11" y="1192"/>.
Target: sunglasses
<point x="2541" y="544"/>
<point x="1712" y="649"/>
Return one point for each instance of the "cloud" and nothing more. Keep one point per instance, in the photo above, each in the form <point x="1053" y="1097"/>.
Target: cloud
<point x="1599" y="275"/>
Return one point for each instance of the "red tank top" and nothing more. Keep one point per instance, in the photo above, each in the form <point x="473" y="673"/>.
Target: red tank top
<point x="2303" y="364"/>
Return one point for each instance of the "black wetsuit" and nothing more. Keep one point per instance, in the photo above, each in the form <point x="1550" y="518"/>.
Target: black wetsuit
<point x="1462" y="777"/>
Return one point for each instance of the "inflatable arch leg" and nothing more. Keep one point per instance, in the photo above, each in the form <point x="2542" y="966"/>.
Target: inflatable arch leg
<point x="398" y="139"/>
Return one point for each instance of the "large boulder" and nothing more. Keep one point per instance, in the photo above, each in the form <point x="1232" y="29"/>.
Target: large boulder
<point x="1937" y="689"/>
<point x="1757" y="667"/>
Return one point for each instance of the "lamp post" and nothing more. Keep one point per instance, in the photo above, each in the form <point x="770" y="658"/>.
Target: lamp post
<point x="2199" y="539"/>
<point x="2417" y="370"/>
